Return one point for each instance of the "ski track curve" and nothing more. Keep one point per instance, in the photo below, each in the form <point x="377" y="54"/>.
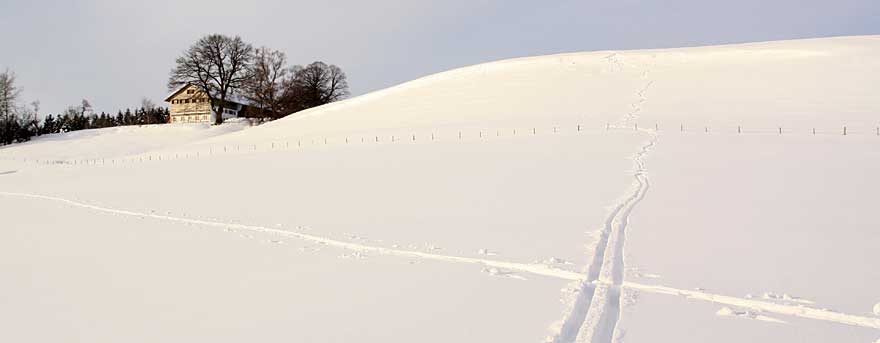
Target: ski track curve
<point x="600" y="322"/>
<point x="595" y="312"/>
<point x="536" y="269"/>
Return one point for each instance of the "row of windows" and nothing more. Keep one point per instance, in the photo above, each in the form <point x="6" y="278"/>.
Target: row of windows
<point x="186" y="101"/>
<point x="188" y="119"/>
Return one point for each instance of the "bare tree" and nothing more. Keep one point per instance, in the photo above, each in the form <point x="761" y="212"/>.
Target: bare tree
<point x="9" y="93"/>
<point x="35" y="122"/>
<point x="147" y="104"/>
<point x="264" y="86"/>
<point x="314" y="85"/>
<point x="217" y="64"/>
<point x="84" y="107"/>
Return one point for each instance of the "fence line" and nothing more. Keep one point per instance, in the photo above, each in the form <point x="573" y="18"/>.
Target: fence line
<point x="462" y="135"/>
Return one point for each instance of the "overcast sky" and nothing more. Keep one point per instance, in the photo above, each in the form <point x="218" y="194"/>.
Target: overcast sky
<point x="114" y="52"/>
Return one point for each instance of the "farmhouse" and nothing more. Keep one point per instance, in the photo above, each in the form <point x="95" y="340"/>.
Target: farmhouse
<point x="190" y="105"/>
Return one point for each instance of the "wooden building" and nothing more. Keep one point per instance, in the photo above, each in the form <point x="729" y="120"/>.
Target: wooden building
<point x="190" y="105"/>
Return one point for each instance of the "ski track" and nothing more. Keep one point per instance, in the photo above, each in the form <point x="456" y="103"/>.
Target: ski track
<point x="596" y="311"/>
<point x="603" y="314"/>
<point x="536" y="269"/>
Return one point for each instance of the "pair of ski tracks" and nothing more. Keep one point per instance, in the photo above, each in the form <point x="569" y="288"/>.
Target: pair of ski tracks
<point x="595" y="312"/>
<point x="594" y="315"/>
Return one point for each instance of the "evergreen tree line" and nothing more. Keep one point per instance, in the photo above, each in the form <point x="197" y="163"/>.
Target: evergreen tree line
<point x="79" y="121"/>
<point x="19" y="123"/>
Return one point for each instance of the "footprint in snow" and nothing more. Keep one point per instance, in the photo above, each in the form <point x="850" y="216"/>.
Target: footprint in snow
<point x="502" y="273"/>
<point x="555" y="260"/>
<point x="729" y="312"/>
<point x="355" y="255"/>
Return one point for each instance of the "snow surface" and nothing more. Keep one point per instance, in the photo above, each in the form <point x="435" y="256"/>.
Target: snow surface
<point x="116" y="141"/>
<point x="653" y="195"/>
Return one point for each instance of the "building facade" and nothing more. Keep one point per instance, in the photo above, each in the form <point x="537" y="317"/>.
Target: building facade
<point x="190" y="105"/>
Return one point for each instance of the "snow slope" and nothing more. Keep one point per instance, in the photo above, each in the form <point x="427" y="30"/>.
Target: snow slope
<point x="589" y="197"/>
<point x="115" y="141"/>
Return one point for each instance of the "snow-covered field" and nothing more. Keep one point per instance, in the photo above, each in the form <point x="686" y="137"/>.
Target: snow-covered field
<point x="628" y="196"/>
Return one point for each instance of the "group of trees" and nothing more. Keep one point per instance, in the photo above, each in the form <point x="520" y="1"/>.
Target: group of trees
<point x="19" y="123"/>
<point x="83" y="118"/>
<point x="223" y="66"/>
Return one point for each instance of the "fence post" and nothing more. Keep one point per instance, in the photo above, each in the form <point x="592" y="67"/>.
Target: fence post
<point x="844" y="130"/>
<point x="780" y="130"/>
<point x="414" y="137"/>
<point x="579" y="127"/>
<point x="681" y="127"/>
<point x="656" y="127"/>
<point x="636" y="126"/>
<point x="534" y="132"/>
<point x="459" y="134"/>
<point x="739" y="129"/>
<point x="706" y="129"/>
<point x="814" y="130"/>
<point x="432" y="136"/>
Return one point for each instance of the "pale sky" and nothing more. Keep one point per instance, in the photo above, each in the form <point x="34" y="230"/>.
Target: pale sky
<point x="114" y="52"/>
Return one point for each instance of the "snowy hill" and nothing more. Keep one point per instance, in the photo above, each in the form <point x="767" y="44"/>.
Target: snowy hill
<point x="682" y="195"/>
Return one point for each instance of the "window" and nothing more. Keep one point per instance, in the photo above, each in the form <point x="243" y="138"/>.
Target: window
<point x="190" y="91"/>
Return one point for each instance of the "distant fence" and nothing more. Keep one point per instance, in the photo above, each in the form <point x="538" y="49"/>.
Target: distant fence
<point x="429" y="135"/>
